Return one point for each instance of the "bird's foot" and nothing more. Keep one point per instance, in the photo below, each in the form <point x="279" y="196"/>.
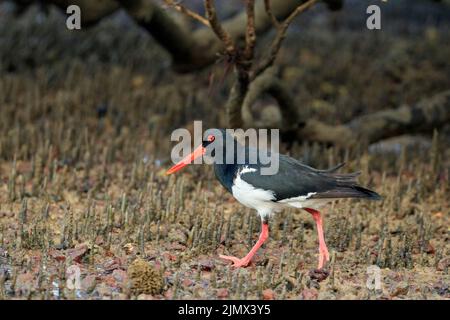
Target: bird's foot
<point x="319" y="274"/>
<point x="237" y="263"/>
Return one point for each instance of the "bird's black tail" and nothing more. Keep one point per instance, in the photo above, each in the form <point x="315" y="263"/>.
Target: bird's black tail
<point x="346" y="186"/>
<point x="359" y="192"/>
<point x="353" y="191"/>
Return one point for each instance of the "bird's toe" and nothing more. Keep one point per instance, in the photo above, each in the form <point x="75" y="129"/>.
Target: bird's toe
<point x="237" y="263"/>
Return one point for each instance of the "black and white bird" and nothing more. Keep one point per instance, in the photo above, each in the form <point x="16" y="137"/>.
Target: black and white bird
<point x="294" y="185"/>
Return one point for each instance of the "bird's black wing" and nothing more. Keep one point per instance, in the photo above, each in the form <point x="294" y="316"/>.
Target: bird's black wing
<point x="295" y="179"/>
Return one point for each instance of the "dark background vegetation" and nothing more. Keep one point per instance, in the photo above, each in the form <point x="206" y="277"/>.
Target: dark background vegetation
<point x="85" y="123"/>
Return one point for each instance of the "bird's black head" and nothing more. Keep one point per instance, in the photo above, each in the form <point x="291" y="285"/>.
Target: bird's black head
<point x="209" y="139"/>
<point x="216" y="137"/>
<point x="215" y="140"/>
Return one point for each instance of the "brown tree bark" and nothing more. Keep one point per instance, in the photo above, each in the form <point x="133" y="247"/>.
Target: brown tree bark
<point x="426" y="115"/>
<point x="190" y="50"/>
<point x="269" y="83"/>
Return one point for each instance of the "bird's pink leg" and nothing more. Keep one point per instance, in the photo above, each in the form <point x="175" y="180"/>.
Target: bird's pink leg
<point x="323" y="250"/>
<point x="246" y="260"/>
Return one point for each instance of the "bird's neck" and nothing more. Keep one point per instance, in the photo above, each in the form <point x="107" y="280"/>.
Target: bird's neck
<point x="226" y="172"/>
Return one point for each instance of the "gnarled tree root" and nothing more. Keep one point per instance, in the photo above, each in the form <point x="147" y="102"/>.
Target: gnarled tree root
<point x="426" y="115"/>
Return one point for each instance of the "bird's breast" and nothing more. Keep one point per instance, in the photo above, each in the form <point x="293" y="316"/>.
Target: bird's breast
<point x="249" y="196"/>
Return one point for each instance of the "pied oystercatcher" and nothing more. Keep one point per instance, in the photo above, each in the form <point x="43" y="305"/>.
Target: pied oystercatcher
<point x="294" y="185"/>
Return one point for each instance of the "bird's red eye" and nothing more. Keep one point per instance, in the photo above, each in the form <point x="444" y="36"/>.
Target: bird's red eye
<point x="211" y="138"/>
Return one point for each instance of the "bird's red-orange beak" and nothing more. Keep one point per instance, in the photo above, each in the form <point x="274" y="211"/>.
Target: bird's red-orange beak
<point x="198" y="152"/>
